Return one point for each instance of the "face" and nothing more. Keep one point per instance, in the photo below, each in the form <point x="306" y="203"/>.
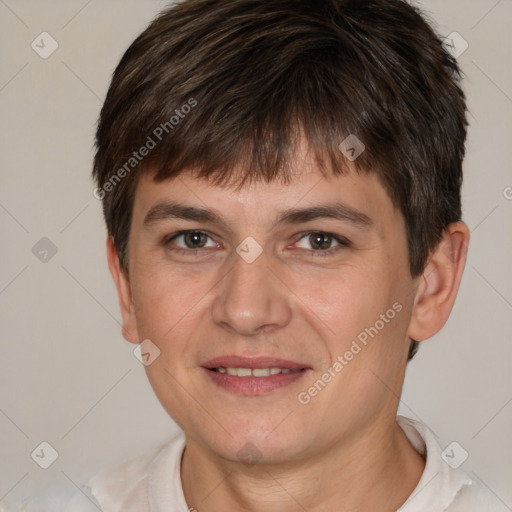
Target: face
<point x="280" y="311"/>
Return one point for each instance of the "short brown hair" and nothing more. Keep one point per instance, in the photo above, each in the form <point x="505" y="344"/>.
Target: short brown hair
<point x="255" y="74"/>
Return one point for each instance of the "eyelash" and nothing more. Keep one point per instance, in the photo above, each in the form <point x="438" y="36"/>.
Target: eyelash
<point x="343" y="242"/>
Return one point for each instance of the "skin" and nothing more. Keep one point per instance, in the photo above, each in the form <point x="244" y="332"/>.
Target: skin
<point x="341" y="451"/>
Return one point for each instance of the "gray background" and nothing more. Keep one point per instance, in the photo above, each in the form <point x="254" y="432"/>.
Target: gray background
<point x="68" y="377"/>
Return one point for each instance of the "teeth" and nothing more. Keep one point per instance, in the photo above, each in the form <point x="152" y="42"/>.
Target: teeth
<point x="261" y="372"/>
<point x="256" y="372"/>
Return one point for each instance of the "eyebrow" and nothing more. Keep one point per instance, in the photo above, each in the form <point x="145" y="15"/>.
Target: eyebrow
<point x="171" y="210"/>
<point x="337" y="211"/>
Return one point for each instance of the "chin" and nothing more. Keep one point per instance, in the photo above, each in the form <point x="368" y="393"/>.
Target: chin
<point x="253" y="443"/>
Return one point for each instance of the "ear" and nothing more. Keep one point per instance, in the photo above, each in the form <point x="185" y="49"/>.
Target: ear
<point x="439" y="283"/>
<point x="124" y="293"/>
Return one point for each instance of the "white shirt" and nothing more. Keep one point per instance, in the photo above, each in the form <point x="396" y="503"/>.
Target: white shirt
<point x="152" y="483"/>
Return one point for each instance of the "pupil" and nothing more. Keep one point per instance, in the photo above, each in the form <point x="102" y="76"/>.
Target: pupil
<point x="320" y="240"/>
<point x="193" y="238"/>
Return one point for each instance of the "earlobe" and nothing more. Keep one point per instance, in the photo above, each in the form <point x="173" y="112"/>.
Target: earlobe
<point x="124" y="293"/>
<point x="439" y="283"/>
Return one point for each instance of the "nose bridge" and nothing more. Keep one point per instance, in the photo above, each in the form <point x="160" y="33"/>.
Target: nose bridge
<point x="250" y="299"/>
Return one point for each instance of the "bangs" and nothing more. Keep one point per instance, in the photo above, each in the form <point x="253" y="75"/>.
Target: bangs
<point x="254" y="133"/>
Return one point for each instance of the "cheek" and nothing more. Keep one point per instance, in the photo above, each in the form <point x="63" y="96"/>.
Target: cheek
<point x="167" y="306"/>
<point x="347" y="301"/>
<point x="367" y="320"/>
<point x="166" y="300"/>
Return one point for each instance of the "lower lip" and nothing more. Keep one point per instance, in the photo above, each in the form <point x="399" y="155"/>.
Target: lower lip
<point x="253" y="386"/>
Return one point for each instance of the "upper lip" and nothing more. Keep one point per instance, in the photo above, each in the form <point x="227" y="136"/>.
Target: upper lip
<point x="233" y="361"/>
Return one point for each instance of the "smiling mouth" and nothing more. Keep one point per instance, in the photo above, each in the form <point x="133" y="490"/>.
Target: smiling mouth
<point x="254" y="372"/>
<point x="253" y="377"/>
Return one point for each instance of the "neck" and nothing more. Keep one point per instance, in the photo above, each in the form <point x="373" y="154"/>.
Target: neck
<point x="377" y="469"/>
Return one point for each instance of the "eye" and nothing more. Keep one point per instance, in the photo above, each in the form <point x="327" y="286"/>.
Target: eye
<point x="319" y="241"/>
<point x="190" y="240"/>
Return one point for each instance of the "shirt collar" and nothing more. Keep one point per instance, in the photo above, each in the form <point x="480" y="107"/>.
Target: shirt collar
<point x="439" y="484"/>
<point x="165" y="492"/>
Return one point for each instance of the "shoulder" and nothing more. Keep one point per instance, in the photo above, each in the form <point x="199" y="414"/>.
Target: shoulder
<point x="125" y="487"/>
<point x="477" y="498"/>
<point x="82" y="501"/>
<point x="444" y="486"/>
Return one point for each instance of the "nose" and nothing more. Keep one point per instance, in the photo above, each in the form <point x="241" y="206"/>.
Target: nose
<point x="252" y="298"/>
